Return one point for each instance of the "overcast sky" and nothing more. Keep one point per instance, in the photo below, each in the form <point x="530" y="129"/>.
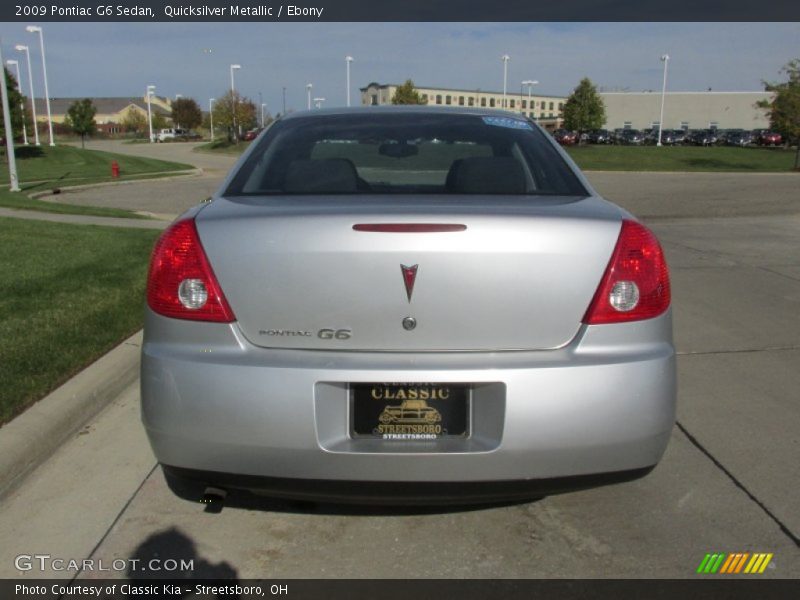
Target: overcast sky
<point x="193" y="59"/>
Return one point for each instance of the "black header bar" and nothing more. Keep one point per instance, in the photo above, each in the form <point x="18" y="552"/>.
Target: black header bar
<point x="153" y="11"/>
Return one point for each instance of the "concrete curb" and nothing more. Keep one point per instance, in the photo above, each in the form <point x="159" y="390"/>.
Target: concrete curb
<point x="32" y="437"/>
<point x="194" y="172"/>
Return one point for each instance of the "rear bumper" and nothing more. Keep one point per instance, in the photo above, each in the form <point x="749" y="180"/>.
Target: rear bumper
<point x="605" y="404"/>
<point x="400" y="492"/>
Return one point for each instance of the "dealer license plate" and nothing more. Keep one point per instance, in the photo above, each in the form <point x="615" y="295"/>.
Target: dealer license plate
<point x="410" y="411"/>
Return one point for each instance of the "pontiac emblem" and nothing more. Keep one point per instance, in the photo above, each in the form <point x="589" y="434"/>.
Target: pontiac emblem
<point x="409" y="277"/>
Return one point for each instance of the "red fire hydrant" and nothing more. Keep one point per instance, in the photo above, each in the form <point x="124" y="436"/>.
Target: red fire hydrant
<point x="114" y="168"/>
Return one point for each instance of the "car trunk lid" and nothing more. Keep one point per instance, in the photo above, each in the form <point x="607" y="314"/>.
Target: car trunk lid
<point x="364" y="276"/>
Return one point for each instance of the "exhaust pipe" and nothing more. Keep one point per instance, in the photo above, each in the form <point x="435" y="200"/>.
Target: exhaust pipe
<point x="214" y="499"/>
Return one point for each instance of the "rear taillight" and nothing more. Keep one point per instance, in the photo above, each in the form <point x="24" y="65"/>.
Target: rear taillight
<point x="635" y="285"/>
<point x="181" y="283"/>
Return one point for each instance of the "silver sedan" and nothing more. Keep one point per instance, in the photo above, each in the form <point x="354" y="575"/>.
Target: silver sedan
<point x="407" y="305"/>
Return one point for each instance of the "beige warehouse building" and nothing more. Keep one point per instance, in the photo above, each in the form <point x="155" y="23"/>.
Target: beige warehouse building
<point x="545" y="109"/>
<point x="630" y="110"/>
<point x="686" y="110"/>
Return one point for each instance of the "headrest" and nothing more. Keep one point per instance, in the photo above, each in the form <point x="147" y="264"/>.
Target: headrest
<point x="487" y="175"/>
<point x="334" y="175"/>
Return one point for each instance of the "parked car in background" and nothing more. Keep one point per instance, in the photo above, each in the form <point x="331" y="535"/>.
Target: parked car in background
<point x="690" y="135"/>
<point x="770" y="138"/>
<point x="675" y="137"/>
<point x="565" y="137"/>
<point x="668" y="137"/>
<point x="171" y="134"/>
<point x="719" y="135"/>
<point x="679" y="136"/>
<point x="724" y="135"/>
<point x="251" y="134"/>
<point x="599" y="136"/>
<point x="704" y="137"/>
<point x="407" y="304"/>
<point x="631" y="137"/>
<point x="757" y="133"/>
<point x="739" y="138"/>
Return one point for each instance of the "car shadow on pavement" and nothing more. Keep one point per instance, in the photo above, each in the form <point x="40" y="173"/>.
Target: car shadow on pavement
<point x="156" y="556"/>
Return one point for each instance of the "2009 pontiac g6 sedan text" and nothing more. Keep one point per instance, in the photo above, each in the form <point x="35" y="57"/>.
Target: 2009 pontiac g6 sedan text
<point x="407" y="304"/>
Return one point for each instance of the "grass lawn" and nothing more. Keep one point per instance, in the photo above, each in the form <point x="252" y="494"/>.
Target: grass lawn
<point x="69" y="294"/>
<point x="682" y="158"/>
<point x="44" y="168"/>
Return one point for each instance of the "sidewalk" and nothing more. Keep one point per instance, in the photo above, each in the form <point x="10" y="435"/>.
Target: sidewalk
<point x="87" y="219"/>
<point x="32" y="437"/>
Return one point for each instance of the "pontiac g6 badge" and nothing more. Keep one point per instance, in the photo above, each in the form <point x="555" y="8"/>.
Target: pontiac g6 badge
<point x="409" y="277"/>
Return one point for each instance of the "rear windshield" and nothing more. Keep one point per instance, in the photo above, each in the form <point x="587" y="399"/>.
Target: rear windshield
<point x="405" y="153"/>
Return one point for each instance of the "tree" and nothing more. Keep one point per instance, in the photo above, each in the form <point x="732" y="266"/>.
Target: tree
<point x="245" y="114"/>
<point x="186" y="113"/>
<point x="15" y="101"/>
<point x="159" y="121"/>
<point x="80" y="118"/>
<point x="407" y="94"/>
<point x="584" y="109"/>
<point x="134" y="120"/>
<point x="784" y="109"/>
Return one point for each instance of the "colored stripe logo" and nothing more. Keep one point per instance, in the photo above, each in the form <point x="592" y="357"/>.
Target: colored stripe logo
<point x="734" y="563"/>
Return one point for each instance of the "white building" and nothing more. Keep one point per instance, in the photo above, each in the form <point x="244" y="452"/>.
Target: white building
<point x="686" y="110"/>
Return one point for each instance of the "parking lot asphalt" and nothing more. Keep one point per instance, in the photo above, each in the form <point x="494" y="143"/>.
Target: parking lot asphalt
<point x="728" y="482"/>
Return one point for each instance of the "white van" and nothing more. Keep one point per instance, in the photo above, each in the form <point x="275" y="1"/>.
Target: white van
<point x="169" y="134"/>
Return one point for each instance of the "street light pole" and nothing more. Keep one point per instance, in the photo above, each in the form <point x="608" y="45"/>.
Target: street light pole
<point x="35" y="29"/>
<point x="233" y="101"/>
<point x="263" y="106"/>
<point x="319" y="101"/>
<point x="308" y="91"/>
<point x="530" y="83"/>
<point x="665" y="60"/>
<point x="21" y="48"/>
<point x="150" y="90"/>
<point x="15" y="63"/>
<point x="505" y="58"/>
<point x="13" y="179"/>
<point x="348" y="59"/>
<point x="211" y="116"/>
